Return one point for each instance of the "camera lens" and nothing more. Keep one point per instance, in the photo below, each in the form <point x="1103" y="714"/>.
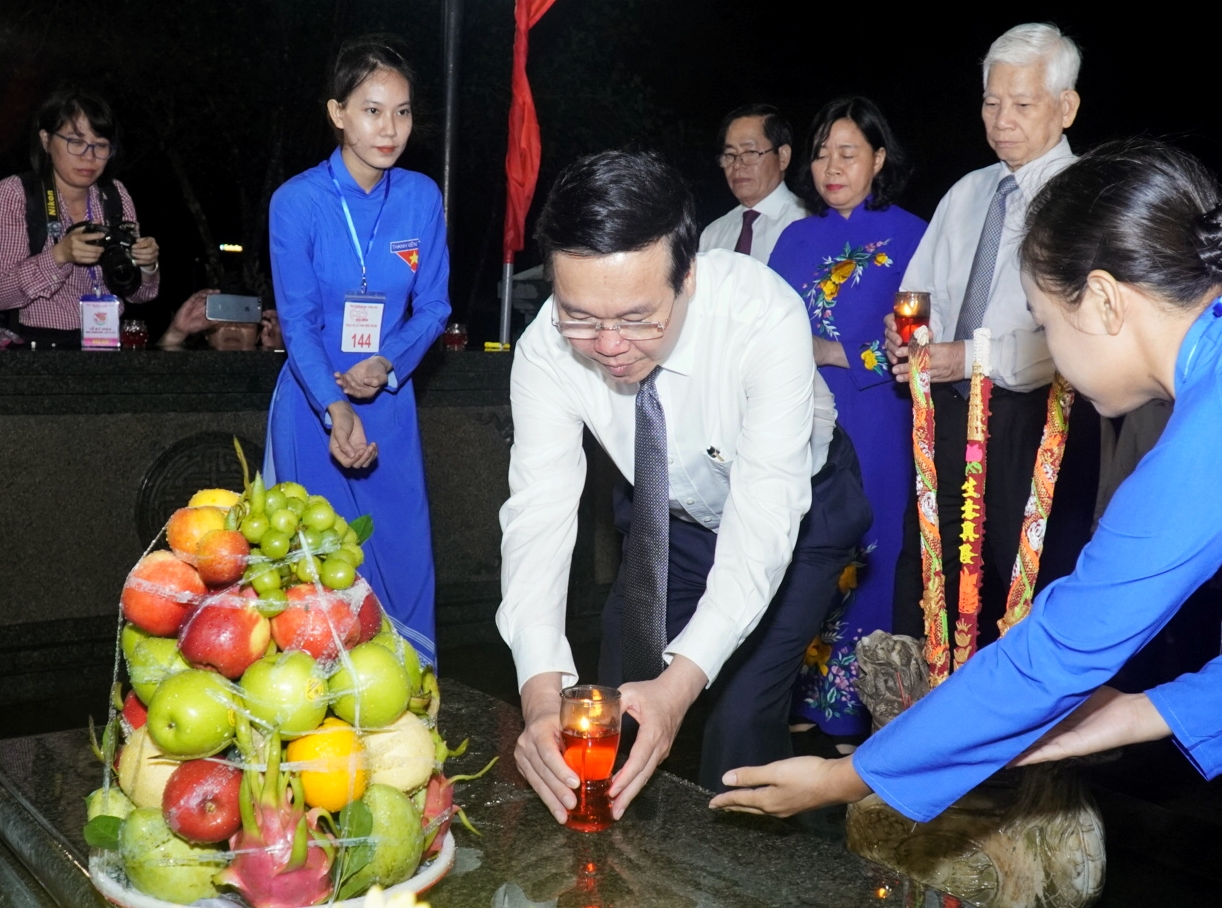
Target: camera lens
<point x="121" y="274"/>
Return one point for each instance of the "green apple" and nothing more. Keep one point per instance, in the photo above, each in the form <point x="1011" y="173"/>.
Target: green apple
<point x="162" y="865"/>
<point x="402" y="754"/>
<point x="150" y="660"/>
<point x="389" y="638"/>
<point x="144" y="769"/>
<point x="397" y="836"/>
<point x="371" y="688"/>
<point x="286" y="691"/>
<point x="192" y="714"/>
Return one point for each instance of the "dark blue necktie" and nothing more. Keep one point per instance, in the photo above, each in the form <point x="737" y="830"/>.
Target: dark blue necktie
<point x="648" y="550"/>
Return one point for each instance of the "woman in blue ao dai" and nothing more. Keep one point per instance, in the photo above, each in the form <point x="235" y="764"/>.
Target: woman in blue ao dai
<point x="846" y="260"/>
<point x="361" y="271"/>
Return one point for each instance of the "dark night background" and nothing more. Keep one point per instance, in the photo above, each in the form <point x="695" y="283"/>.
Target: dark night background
<point x="220" y="100"/>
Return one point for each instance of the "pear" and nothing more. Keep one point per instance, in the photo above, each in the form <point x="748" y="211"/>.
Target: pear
<point x="108" y="803"/>
<point x="397" y="836"/>
<point x="400" y="755"/>
<point x="144" y="769"/>
<point x="162" y="865"/>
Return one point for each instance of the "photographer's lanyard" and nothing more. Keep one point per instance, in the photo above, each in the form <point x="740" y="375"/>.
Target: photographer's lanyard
<point x="363" y="309"/>
<point x="93" y="272"/>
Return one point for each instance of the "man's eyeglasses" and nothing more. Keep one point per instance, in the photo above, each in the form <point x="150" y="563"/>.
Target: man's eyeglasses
<point x="79" y="147"/>
<point x="629" y="331"/>
<point x="728" y="159"/>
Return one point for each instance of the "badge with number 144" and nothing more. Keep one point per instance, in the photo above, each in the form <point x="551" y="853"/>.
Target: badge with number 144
<point x="363" y="322"/>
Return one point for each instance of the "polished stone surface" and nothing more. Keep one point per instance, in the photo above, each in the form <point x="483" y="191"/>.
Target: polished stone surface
<point x="669" y="850"/>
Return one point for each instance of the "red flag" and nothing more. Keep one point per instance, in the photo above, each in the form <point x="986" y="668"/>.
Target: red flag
<point x="522" y="156"/>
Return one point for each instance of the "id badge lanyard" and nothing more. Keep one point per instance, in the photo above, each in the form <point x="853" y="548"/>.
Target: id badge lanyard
<point x="363" y="309"/>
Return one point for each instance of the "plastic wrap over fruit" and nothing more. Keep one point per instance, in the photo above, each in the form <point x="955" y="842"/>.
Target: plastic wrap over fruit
<point x="279" y="734"/>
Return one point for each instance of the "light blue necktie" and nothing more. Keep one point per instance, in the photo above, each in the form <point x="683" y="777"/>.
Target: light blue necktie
<point x="648" y="551"/>
<point x="980" y="281"/>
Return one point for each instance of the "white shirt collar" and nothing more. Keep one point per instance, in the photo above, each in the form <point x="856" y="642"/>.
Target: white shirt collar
<point x="1030" y="176"/>
<point x="774" y="203"/>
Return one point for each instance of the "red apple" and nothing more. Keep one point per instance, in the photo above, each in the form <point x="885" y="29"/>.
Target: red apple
<point x="135" y="713"/>
<point x="313" y="620"/>
<point x="226" y="634"/>
<point x="160" y="592"/>
<point x="200" y="801"/>
<point x="369" y="616"/>
<point x="221" y="557"/>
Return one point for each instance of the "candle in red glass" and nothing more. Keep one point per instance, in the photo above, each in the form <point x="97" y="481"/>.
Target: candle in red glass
<point x="589" y="721"/>
<point x="911" y="312"/>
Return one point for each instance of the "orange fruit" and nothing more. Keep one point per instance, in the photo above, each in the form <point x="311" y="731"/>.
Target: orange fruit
<point x="334" y="770"/>
<point x="187" y="526"/>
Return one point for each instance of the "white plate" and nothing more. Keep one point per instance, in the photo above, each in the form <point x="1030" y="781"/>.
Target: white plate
<point x="106" y="872"/>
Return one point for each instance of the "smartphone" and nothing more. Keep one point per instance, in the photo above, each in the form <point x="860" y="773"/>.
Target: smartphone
<point x="230" y="307"/>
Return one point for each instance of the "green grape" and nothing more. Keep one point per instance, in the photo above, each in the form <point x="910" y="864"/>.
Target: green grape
<point x="253" y="528"/>
<point x="312" y="539"/>
<point x="265" y="581"/>
<point x="275" y="544"/>
<point x="272" y="603"/>
<point x="308" y="568"/>
<point x="336" y="574"/>
<point x="294" y="490"/>
<point x="319" y="516"/>
<point x="274" y="500"/>
<point x="284" y="521"/>
<point x="354" y="553"/>
<point x="315" y="499"/>
<point x="342" y="554"/>
<point x="340" y="525"/>
<point x="350" y="537"/>
<point x="296" y="505"/>
<point x="330" y="541"/>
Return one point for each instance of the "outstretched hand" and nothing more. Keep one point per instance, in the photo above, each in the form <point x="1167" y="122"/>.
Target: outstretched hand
<point x="791" y="786"/>
<point x="538" y="753"/>
<point x="1105" y="720"/>
<point x="658" y="707"/>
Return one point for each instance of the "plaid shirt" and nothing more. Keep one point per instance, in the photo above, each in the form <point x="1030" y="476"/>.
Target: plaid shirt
<point x="48" y="294"/>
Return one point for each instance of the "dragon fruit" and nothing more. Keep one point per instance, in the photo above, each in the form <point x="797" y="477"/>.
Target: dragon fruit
<point x="283" y="860"/>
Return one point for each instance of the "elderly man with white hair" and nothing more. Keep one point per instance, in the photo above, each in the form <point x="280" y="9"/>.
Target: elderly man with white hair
<point x="968" y="262"/>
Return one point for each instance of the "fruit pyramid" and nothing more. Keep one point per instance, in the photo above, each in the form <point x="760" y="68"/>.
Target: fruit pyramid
<point x="278" y="740"/>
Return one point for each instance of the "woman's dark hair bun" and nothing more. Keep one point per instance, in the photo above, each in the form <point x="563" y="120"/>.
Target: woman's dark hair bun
<point x="1209" y="239"/>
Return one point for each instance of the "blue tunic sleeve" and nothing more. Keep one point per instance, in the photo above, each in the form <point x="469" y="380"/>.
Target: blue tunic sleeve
<point x="1159" y="540"/>
<point x="431" y="294"/>
<point x="1192" y="706"/>
<point x="294" y="222"/>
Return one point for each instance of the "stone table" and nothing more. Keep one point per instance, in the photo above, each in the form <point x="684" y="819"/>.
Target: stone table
<point x="668" y="851"/>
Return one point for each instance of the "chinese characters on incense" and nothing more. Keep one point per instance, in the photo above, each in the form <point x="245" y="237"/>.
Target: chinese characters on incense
<point x="1039" y="505"/>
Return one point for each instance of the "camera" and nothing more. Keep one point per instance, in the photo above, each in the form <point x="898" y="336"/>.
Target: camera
<point x="119" y="270"/>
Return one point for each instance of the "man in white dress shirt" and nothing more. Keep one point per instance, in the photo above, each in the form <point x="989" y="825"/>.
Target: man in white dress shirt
<point x="748" y="441"/>
<point x="755" y="143"/>
<point x="1029" y="100"/>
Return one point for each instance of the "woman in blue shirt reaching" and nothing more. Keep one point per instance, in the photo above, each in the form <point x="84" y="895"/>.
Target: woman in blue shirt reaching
<point x="1122" y="267"/>
<point x="361" y="271"/>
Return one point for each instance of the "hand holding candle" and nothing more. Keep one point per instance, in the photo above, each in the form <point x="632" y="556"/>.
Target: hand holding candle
<point x="589" y="731"/>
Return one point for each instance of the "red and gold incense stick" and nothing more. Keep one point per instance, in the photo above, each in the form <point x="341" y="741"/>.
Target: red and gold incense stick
<point x="933" y="600"/>
<point x="1039" y="504"/>
<point x="975" y="472"/>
